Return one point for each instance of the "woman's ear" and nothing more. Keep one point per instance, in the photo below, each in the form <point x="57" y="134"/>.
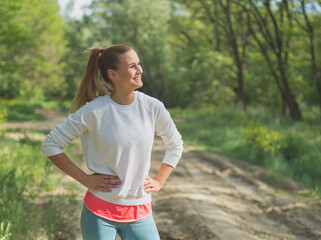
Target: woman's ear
<point x="112" y="75"/>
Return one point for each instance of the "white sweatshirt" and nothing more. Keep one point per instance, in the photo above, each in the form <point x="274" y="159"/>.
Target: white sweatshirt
<point x="117" y="139"/>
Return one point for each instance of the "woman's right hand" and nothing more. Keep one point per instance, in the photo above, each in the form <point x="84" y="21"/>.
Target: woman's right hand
<point x="102" y="182"/>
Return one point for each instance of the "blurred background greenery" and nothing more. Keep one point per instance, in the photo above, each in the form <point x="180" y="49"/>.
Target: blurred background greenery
<point x="241" y="79"/>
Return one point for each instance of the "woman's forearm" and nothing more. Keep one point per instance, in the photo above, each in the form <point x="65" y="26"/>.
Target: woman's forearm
<point x="63" y="162"/>
<point x="164" y="173"/>
<point x="99" y="182"/>
<point x="154" y="185"/>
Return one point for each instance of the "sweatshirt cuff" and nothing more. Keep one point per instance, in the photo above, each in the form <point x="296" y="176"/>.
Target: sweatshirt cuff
<point x="171" y="160"/>
<point x="48" y="152"/>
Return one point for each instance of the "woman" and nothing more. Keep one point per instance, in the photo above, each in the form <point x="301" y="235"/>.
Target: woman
<point x="117" y="129"/>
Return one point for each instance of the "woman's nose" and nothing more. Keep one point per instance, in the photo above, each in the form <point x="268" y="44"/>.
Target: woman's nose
<point x="140" y="70"/>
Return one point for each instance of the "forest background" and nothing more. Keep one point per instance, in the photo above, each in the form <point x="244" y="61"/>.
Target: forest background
<point x="242" y="78"/>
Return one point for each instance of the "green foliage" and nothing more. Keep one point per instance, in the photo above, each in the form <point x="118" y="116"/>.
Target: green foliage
<point x="202" y="27"/>
<point x="25" y="175"/>
<point x="31" y="45"/>
<point x="185" y="48"/>
<point x="261" y="88"/>
<point x="294" y="146"/>
<point x="307" y="166"/>
<point x="146" y="32"/>
<point x="5" y="231"/>
<point x="17" y="110"/>
<point x="263" y="140"/>
<point x="78" y="40"/>
<point x="204" y="76"/>
<point x="18" y="176"/>
<point x="3" y="114"/>
<point x="23" y="112"/>
<point x="258" y="136"/>
<point x="63" y="106"/>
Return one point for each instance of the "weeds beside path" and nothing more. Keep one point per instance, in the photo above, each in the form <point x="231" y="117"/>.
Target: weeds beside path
<point x="37" y="201"/>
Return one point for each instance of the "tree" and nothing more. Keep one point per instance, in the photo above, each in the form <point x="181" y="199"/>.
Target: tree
<point x="31" y="46"/>
<point x="126" y="22"/>
<point x="309" y="29"/>
<point x="273" y="35"/>
<point x="226" y="25"/>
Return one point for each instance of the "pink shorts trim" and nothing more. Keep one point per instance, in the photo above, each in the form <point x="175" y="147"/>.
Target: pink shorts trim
<point x="115" y="212"/>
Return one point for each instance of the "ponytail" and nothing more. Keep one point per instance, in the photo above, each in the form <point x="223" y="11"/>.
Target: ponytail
<point x="90" y="86"/>
<point x="100" y="60"/>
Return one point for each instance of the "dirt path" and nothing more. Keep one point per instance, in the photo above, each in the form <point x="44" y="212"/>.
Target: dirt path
<point x="208" y="197"/>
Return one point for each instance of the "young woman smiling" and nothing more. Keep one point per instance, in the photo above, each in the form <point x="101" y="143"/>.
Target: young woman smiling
<point x="117" y="125"/>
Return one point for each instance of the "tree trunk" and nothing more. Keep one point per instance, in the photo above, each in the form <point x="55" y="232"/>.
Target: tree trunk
<point x="290" y="99"/>
<point x="315" y="70"/>
<point x="291" y="102"/>
<point x="236" y="54"/>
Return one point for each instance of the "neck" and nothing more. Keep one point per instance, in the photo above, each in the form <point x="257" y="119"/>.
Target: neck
<point x="123" y="98"/>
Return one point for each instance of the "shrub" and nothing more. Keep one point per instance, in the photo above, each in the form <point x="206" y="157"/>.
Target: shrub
<point x="3" y="114"/>
<point x="307" y="169"/>
<point x="293" y="147"/>
<point x="23" y="112"/>
<point x="264" y="141"/>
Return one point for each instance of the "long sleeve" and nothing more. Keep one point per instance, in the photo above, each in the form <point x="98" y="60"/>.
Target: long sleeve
<point x="62" y="135"/>
<point x="166" y="129"/>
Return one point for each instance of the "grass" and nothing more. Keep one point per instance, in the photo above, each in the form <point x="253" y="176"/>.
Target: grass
<point x="29" y="208"/>
<point x="18" y="110"/>
<point x="259" y="136"/>
<point x="23" y="112"/>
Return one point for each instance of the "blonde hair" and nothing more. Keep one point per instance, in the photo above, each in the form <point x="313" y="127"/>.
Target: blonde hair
<point x="100" y="60"/>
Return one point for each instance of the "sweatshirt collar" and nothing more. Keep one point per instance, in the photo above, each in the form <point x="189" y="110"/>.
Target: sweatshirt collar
<point x="128" y="106"/>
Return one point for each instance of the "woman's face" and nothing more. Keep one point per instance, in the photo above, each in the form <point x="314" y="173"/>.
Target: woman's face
<point x="128" y="75"/>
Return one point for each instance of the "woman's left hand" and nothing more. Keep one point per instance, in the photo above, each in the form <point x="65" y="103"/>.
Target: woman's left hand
<point x="152" y="185"/>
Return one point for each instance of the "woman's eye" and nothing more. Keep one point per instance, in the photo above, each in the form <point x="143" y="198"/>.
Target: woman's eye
<point x="134" y="65"/>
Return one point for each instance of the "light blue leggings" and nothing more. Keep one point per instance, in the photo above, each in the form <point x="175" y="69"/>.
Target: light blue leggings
<point x="94" y="227"/>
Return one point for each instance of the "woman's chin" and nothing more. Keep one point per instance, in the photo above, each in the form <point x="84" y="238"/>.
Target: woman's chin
<point x="138" y="84"/>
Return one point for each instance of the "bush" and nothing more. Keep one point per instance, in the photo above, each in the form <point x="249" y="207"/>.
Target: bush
<point x="23" y="112"/>
<point x="293" y="147"/>
<point x="3" y="114"/>
<point x="264" y="141"/>
<point x="307" y="169"/>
